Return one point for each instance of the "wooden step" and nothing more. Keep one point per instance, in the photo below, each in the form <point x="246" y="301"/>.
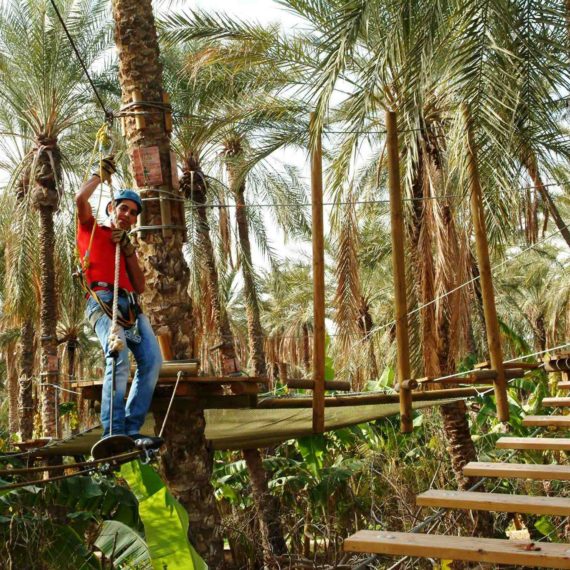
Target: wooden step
<point x="556" y="402"/>
<point x="563" y="385"/>
<point x="491" y="550"/>
<point x="518" y="471"/>
<point x="541" y="443"/>
<point x="494" y="502"/>
<point x="547" y="421"/>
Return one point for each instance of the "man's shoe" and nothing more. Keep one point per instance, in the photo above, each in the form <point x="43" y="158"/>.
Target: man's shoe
<point x="146" y="441"/>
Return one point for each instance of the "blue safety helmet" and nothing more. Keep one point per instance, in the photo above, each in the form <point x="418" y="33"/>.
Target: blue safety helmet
<point x="127" y="194"/>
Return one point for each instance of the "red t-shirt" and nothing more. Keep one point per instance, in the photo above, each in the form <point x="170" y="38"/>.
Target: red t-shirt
<point x="101" y="266"/>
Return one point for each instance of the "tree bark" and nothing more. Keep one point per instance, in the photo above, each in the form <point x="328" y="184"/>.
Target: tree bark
<point x="49" y="362"/>
<point x="195" y="189"/>
<point x="268" y="508"/>
<point x="25" y="392"/>
<point x="254" y="328"/>
<point x="186" y="463"/>
<point x="12" y="385"/>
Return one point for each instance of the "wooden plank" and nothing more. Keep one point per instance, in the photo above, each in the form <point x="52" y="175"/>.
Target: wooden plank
<point x="403" y="371"/>
<point x="563" y="385"/>
<point x="486" y="279"/>
<point x="547" y="421"/>
<point x="539" y="443"/>
<point x="556" y="402"/>
<point x="490" y="550"/>
<point x="318" y="282"/>
<point x="518" y="471"/>
<point x="494" y="502"/>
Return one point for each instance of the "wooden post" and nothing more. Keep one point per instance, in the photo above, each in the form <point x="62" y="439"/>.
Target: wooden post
<point x="165" y="345"/>
<point x="482" y="246"/>
<point x="398" y="264"/>
<point x="318" y="284"/>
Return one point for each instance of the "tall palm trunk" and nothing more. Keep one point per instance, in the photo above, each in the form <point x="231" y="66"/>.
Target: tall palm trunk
<point x="254" y="327"/>
<point x="25" y="391"/>
<point x="194" y="187"/>
<point x="268" y="507"/>
<point x="12" y="385"/>
<point x="46" y="190"/>
<point x="186" y="462"/>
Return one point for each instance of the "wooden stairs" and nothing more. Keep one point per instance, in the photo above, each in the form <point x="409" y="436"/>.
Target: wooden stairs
<point x="486" y="550"/>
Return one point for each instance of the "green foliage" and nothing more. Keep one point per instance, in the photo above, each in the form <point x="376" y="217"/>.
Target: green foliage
<point x="165" y="520"/>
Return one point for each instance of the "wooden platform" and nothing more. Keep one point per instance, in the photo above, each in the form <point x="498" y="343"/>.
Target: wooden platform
<point x="547" y="421"/>
<point x="493" y="551"/>
<point x="212" y="391"/>
<point x="494" y="502"/>
<point x="537" y="443"/>
<point x="518" y="471"/>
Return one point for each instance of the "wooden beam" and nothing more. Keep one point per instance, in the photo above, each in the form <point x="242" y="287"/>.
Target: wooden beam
<point x="547" y="421"/>
<point x="482" y="247"/>
<point x="475" y="377"/>
<point x="537" y="443"/>
<point x="318" y="281"/>
<point x="308" y="384"/>
<point x="496" y="502"/>
<point x="508" y="365"/>
<point x="563" y="385"/>
<point x="518" y="471"/>
<point x="399" y="264"/>
<point x="469" y="548"/>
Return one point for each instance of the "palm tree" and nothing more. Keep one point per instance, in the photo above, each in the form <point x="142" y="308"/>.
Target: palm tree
<point x="44" y="88"/>
<point x="186" y="463"/>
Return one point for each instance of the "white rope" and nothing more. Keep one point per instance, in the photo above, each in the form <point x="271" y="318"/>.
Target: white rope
<point x="116" y="343"/>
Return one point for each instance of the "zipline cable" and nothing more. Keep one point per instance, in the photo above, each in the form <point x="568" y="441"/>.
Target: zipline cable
<point x="108" y="114"/>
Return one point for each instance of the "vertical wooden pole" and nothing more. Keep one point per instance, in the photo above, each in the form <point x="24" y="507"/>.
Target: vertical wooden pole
<point x="398" y="264"/>
<point x="482" y="246"/>
<point x="318" y="285"/>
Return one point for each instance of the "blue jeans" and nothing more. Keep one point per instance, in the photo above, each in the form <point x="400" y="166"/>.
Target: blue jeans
<point x="128" y="417"/>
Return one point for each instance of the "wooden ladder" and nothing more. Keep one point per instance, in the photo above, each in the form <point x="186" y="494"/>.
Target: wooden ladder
<point x="487" y="550"/>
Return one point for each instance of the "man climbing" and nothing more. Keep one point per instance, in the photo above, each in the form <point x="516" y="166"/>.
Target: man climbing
<point x="97" y="245"/>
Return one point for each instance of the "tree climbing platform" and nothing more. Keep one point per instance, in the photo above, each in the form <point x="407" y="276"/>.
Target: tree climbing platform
<point x="210" y="391"/>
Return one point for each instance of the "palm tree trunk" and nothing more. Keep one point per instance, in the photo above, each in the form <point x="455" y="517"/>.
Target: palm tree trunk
<point x="186" y="463"/>
<point x="529" y="160"/>
<point x="49" y="362"/>
<point x="254" y="327"/>
<point x="438" y="360"/>
<point x="12" y="385"/>
<point x="194" y="187"/>
<point x="25" y="392"/>
<point x="234" y="154"/>
<point x="268" y="508"/>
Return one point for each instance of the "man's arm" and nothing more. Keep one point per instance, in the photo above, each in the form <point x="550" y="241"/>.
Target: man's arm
<point x="135" y="273"/>
<point x="82" y="198"/>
